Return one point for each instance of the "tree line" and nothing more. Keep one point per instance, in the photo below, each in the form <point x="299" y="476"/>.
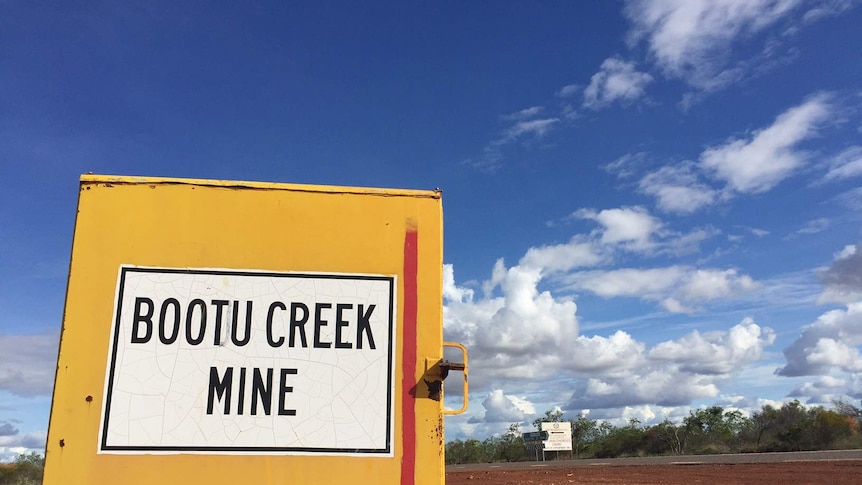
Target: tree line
<point x="790" y="427"/>
<point x="25" y="470"/>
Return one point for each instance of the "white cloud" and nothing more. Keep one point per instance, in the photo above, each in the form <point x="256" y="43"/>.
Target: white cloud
<point x="625" y="166"/>
<point x="692" y="39"/>
<point x="569" y="112"/>
<point x="564" y="257"/>
<point x="675" y="306"/>
<point x="633" y="229"/>
<point x="617" y="80"/>
<point x="825" y="390"/>
<point x="846" y="252"/>
<point x="710" y="284"/>
<point x="678" y="288"/>
<point x="716" y="352"/>
<point x="502" y="408"/>
<point x="523" y="125"/>
<point x="15" y="444"/>
<point x="674" y="373"/>
<point x="650" y="284"/>
<point x="28" y="364"/>
<point x="518" y="334"/>
<point x="664" y="387"/>
<point x="569" y="90"/>
<point x="832" y="342"/>
<point x="522" y="333"/>
<point x="677" y="189"/>
<point x="611" y="356"/>
<point x="523" y="114"/>
<point x="827" y="8"/>
<point x="536" y="128"/>
<point x="452" y="292"/>
<point x="842" y="281"/>
<point x="526" y="338"/>
<point x="851" y="199"/>
<point x="762" y="161"/>
<point x="814" y="226"/>
<point x="845" y="165"/>
<point x="631" y="225"/>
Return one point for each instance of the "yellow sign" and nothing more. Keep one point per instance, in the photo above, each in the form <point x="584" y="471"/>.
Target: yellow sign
<point x="237" y="332"/>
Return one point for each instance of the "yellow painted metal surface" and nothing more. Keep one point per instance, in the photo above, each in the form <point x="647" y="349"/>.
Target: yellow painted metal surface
<point x="461" y="367"/>
<point x="274" y="229"/>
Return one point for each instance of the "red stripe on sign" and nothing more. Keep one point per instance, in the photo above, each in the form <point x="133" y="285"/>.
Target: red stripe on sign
<point x="408" y="382"/>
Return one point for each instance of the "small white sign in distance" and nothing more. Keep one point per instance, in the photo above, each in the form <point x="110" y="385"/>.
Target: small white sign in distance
<point x="226" y="361"/>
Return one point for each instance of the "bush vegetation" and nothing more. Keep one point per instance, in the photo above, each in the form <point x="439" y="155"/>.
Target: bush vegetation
<point x="791" y="427"/>
<point x="25" y="470"/>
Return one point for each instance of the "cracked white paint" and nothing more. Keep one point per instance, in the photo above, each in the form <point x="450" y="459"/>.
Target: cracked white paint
<point x="158" y="390"/>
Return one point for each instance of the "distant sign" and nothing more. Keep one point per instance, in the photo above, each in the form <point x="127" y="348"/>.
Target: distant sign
<point x="534" y="437"/>
<point x="559" y="436"/>
<point x="218" y="360"/>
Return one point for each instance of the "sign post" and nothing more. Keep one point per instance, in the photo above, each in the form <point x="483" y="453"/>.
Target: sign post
<point x="535" y="440"/>
<point x="237" y="332"/>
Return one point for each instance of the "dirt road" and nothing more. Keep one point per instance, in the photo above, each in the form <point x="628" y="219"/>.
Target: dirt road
<point x="814" y="473"/>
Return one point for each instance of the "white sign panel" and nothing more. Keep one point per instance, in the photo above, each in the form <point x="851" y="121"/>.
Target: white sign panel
<point x="223" y="361"/>
<point x="559" y="436"/>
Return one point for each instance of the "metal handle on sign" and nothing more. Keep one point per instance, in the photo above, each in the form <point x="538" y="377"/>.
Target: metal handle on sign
<point x="457" y="366"/>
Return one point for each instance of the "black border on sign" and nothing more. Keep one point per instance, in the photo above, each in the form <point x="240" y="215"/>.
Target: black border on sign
<point x="103" y="445"/>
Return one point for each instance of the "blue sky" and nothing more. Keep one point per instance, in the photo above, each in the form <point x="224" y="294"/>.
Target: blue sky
<point x="649" y="205"/>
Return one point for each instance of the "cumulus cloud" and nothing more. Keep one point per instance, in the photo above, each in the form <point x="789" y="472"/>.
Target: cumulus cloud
<point x="527" y="336"/>
<point x="676" y="372"/>
<point x="824" y="390"/>
<point x="842" y="281"/>
<point x="27" y="364"/>
<point x="612" y="356"/>
<point x="617" y="80"/>
<point x="520" y="333"/>
<point x="716" y="352"/>
<point x="830" y="343"/>
<point x="502" y="408"/>
<point x="758" y="163"/>
<point x="662" y="387"/>
<point x="677" y="189"/>
<point x="692" y="39"/>
<point x="451" y="291"/>
<point x="523" y="329"/>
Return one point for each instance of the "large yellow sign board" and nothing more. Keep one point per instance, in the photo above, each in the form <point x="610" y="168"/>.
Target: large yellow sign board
<point x="237" y="332"/>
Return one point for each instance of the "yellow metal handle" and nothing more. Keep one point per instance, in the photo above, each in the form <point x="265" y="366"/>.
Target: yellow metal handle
<point x="460" y="366"/>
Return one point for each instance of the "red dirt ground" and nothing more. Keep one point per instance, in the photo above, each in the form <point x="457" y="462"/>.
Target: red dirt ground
<point x="814" y="473"/>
